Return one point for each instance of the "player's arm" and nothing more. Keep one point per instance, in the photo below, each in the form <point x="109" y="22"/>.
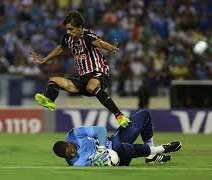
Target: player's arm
<point x="40" y="60"/>
<point x="82" y="162"/>
<point x="97" y="132"/>
<point x="100" y="133"/>
<point x="105" y="45"/>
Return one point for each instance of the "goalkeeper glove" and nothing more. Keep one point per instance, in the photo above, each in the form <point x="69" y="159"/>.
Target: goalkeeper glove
<point x="101" y="149"/>
<point x="100" y="157"/>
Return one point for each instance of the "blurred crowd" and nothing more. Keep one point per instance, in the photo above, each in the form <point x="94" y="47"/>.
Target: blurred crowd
<point x="156" y="39"/>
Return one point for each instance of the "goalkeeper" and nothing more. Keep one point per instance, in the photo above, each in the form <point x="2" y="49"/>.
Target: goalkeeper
<point x="83" y="142"/>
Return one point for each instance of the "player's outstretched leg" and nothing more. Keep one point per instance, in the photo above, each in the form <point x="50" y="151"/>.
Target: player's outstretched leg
<point x="157" y="158"/>
<point x="172" y="146"/>
<point x="106" y="101"/>
<point x="45" y="102"/>
<point x="47" y="99"/>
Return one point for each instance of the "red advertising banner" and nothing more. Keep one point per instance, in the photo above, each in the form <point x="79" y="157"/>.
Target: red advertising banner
<point x="21" y="120"/>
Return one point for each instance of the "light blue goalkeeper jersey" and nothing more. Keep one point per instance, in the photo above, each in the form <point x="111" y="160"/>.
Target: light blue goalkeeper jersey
<point x="86" y="140"/>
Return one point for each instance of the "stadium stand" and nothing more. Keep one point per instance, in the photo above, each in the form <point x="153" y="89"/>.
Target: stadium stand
<point x="156" y="38"/>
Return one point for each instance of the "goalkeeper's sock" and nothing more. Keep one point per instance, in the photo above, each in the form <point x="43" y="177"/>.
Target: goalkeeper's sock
<point x="149" y="142"/>
<point x="156" y="149"/>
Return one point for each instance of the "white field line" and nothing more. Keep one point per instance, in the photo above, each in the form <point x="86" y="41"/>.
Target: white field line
<point x="109" y="168"/>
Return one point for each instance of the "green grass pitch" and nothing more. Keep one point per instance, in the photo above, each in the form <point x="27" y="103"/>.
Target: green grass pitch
<point x="31" y="157"/>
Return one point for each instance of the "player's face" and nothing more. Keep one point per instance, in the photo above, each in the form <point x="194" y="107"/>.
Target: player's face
<point x="71" y="150"/>
<point x="73" y="31"/>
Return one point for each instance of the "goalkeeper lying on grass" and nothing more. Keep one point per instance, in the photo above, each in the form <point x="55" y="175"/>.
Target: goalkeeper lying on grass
<point x="87" y="146"/>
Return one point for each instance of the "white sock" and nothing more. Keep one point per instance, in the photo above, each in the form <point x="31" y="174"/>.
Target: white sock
<point x="156" y="149"/>
<point x="149" y="142"/>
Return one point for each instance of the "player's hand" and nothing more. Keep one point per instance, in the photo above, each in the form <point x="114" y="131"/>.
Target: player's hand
<point x="36" y="58"/>
<point x="98" y="152"/>
<point x="100" y="149"/>
<point x="115" y="49"/>
<point x="115" y="46"/>
<point x="101" y="161"/>
<point x="100" y="157"/>
<point x="123" y="121"/>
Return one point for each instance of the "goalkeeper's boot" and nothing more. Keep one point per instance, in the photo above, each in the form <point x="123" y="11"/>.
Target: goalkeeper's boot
<point x="123" y="120"/>
<point x="157" y="158"/>
<point x="172" y="146"/>
<point x="45" y="102"/>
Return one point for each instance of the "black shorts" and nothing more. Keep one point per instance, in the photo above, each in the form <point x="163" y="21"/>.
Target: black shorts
<point x="81" y="81"/>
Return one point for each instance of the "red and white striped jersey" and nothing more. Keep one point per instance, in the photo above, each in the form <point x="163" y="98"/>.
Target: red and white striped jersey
<point x="87" y="56"/>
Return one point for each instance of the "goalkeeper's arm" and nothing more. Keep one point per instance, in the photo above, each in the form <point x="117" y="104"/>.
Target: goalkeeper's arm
<point x="101" y="134"/>
<point x="97" y="132"/>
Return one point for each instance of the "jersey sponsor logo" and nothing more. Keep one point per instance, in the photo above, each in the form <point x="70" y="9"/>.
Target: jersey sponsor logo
<point x="97" y="75"/>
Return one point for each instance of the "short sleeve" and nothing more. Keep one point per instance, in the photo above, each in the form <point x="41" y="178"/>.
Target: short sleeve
<point x="90" y="36"/>
<point x="64" y="42"/>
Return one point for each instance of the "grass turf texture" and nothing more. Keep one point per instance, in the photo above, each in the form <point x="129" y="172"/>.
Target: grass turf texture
<point x="31" y="157"/>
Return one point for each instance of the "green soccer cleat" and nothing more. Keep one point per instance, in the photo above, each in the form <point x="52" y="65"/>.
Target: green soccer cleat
<point x="45" y="102"/>
<point x="123" y="120"/>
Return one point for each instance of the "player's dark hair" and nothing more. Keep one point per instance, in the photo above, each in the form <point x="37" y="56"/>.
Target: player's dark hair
<point x="75" y="18"/>
<point x="59" y="148"/>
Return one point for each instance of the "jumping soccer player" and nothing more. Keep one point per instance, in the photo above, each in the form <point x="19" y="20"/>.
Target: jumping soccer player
<point x="93" y="70"/>
<point x="81" y="143"/>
